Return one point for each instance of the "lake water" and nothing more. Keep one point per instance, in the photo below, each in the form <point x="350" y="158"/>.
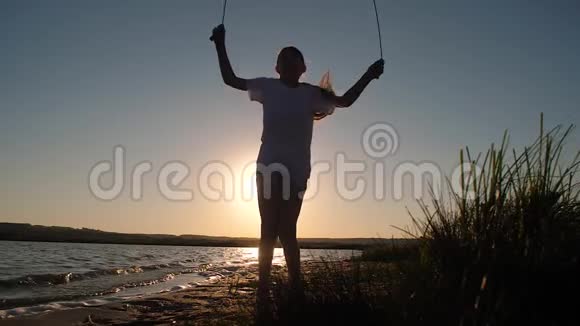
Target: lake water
<point x="41" y="276"/>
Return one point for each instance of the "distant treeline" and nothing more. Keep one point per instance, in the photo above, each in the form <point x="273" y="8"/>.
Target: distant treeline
<point x="28" y="232"/>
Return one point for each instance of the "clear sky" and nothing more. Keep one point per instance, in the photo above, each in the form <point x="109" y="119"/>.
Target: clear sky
<point x="80" y="77"/>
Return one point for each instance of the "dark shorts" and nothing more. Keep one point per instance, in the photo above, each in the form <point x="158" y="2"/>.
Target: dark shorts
<point x="278" y="185"/>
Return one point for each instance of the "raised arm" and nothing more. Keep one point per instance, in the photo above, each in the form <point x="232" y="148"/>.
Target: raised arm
<point x="228" y="75"/>
<point x="373" y="72"/>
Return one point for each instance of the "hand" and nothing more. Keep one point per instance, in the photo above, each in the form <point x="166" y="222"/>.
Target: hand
<point x="218" y="34"/>
<point x="376" y="69"/>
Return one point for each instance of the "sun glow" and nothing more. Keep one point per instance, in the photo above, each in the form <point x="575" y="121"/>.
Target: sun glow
<point x="245" y="201"/>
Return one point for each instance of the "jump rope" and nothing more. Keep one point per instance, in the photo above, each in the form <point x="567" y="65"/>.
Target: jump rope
<point x="376" y="15"/>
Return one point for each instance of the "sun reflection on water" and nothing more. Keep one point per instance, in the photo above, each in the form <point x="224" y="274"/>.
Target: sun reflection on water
<point x="250" y="255"/>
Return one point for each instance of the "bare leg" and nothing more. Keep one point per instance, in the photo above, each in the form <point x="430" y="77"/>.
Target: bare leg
<point x="266" y="253"/>
<point x="287" y="233"/>
<point x="269" y="213"/>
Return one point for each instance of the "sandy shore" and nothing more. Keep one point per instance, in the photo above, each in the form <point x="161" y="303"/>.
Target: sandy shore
<point x="227" y="301"/>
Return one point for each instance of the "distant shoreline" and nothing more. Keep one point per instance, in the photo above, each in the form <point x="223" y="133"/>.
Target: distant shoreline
<point x="56" y="234"/>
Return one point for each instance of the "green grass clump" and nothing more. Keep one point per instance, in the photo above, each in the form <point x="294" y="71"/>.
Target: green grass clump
<point x="504" y="247"/>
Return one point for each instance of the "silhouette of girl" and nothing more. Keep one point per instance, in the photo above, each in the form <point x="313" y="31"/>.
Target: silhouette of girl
<point x="289" y="109"/>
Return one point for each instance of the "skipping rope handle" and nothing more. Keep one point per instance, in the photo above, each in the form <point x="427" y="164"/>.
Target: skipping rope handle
<point x="223" y="16"/>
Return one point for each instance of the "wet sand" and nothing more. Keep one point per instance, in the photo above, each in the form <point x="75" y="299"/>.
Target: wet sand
<point x="226" y="301"/>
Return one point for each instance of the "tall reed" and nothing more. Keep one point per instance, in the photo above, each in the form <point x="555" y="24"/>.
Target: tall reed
<point x="507" y="240"/>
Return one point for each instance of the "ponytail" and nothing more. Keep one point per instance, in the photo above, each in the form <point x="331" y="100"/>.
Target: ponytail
<point x="325" y="86"/>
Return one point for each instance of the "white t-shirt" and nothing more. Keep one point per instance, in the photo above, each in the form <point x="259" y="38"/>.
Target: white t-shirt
<point x="288" y="118"/>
